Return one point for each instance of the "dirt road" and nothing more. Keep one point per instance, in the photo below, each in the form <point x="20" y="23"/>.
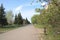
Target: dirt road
<point x="28" y="32"/>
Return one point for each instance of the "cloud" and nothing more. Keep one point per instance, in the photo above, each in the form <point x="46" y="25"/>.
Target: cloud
<point x="19" y="8"/>
<point x="43" y="3"/>
<point x="26" y="12"/>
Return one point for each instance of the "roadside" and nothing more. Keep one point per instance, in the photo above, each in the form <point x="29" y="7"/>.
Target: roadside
<point x="28" y="32"/>
<point x="9" y="28"/>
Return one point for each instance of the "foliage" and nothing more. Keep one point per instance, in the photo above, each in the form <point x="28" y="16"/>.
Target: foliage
<point x="39" y="26"/>
<point x="37" y="10"/>
<point x="16" y="19"/>
<point x="3" y="20"/>
<point x="8" y="28"/>
<point x="51" y="16"/>
<point x="35" y="19"/>
<point x="27" y="22"/>
<point x="20" y="19"/>
<point x="9" y="16"/>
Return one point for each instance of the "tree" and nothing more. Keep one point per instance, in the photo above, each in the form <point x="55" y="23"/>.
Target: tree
<point x="16" y="19"/>
<point x="3" y="20"/>
<point x="37" y="10"/>
<point x="51" y="15"/>
<point x="27" y="22"/>
<point x="50" y="18"/>
<point x="9" y="16"/>
<point x="20" y="19"/>
<point x="35" y="19"/>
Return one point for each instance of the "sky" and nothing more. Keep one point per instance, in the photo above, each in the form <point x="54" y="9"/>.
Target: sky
<point x="24" y="6"/>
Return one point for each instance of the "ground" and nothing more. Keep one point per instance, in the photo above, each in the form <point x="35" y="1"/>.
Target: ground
<point x="28" y="32"/>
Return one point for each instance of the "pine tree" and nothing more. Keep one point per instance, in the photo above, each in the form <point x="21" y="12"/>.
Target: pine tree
<point x="20" y="19"/>
<point x="27" y="22"/>
<point x="15" y="22"/>
<point x="3" y="20"/>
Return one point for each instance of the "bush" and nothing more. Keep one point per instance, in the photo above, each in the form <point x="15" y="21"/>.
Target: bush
<point x="35" y="19"/>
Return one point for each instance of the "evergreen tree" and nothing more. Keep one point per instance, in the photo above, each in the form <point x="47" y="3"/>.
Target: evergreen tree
<point x="27" y="22"/>
<point x="15" y="22"/>
<point x="20" y="19"/>
<point x="3" y="20"/>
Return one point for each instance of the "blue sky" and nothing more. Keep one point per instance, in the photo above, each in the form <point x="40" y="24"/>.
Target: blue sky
<point x="24" y="6"/>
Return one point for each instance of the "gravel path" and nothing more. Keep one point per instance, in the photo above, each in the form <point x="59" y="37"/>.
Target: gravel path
<point x="28" y="32"/>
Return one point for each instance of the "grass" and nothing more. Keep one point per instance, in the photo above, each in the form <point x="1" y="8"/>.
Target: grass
<point x="50" y="32"/>
<point x="38" y="26"/>
<point x="8" y="28"/>
<point x="5" y="29"/>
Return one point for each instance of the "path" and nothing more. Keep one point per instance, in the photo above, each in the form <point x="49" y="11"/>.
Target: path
<point x="23" y="33"/>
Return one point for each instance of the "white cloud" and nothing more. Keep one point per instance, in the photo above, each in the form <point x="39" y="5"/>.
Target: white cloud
<point x="19" y="8"/>
<point x="43" y="3"/>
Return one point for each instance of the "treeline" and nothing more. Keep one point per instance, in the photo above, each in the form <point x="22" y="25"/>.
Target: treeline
<point x="6" y="18"/>
<point x="19" y="20"/>
<point x="50" y="19"/>
<point x="49" y="16"/>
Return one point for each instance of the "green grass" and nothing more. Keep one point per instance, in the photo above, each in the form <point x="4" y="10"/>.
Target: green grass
<point x="50" y="32"/>
<point x="5" y="29"/>
<point x="38" y="26"/>
<point x="8" y="28"/>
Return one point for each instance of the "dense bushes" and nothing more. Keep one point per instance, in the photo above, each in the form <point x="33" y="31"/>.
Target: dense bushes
<point x="35" y="19"/>
<point x="50" y="16"/>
